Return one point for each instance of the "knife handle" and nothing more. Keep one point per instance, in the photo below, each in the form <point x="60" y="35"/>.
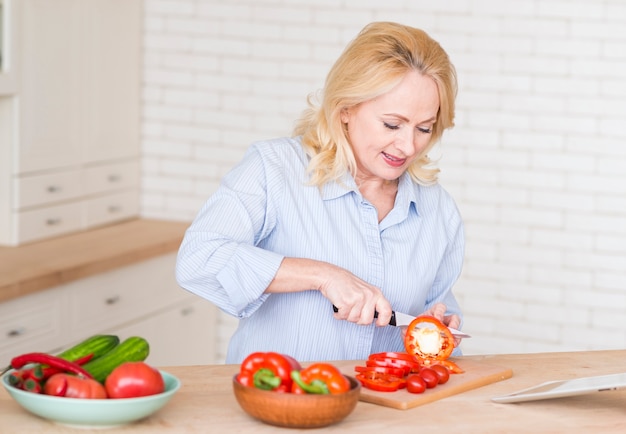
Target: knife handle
<point x="392" y="321"/>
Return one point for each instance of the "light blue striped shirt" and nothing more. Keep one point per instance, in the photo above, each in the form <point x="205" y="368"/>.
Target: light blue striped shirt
<point x="264" y="210"/>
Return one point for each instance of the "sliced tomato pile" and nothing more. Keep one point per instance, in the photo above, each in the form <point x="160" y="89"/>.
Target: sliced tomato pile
<point x="391" y="371"/>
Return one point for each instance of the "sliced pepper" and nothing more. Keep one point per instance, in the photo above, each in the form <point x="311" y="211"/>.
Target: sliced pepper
<point x="398" y="372"/>
<point x="268" y="371"/>
<point x="381" y="382"/>
<point x="320" y="378"/>
<point x="408" y="364"/>
<point x="427" y="338"/>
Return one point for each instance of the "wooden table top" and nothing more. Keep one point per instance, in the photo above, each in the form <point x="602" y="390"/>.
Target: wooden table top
<point x="37" y="266"/>
<point x="205" y="403"/>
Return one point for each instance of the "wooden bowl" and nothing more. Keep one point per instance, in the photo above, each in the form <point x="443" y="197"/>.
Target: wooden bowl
<point x="297" y="411"/>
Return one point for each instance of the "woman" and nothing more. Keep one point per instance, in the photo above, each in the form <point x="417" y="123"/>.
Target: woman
<point x="347" y="212"/>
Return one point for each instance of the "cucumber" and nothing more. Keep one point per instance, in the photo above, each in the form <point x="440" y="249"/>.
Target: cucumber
<point x="132" y="349"/>
<point x="98" y="345"/>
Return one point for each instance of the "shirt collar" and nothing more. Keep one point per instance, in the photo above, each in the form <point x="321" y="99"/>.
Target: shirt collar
<point x="407" y="193"/>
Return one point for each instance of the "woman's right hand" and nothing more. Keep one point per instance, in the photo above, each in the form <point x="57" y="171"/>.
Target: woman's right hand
<point x="355" y="299"/>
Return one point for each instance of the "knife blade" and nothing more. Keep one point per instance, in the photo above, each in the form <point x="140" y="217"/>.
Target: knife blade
<point x="399" y="319"/>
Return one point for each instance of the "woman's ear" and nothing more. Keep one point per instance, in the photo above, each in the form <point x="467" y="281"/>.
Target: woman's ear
<point x="345" y="115"/>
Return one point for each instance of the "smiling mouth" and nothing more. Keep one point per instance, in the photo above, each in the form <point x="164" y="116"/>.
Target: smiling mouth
<point x="393" y="161"/>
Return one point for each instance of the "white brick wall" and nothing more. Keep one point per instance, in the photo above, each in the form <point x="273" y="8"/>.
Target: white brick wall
<point x="536" y="162"/>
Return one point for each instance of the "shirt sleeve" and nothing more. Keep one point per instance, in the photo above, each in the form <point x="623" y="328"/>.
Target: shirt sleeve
<point x="218" y="258"/>
<point x="450" y="266"/>
<point x="449" y="269"/>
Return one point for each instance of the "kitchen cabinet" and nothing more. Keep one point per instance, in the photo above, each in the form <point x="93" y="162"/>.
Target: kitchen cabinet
<point x="32" y="323"/>
<point x="71" y="127"/>
<point x="7" y="49"/>
<point x="142" y="299"/>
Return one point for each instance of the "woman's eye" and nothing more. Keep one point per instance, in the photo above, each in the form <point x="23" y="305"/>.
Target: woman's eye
<point x="390" y="126"/>
<point x="425" y="130"/>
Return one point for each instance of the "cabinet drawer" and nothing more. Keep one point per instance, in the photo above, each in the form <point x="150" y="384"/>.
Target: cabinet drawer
<point x="122" y="295"/>
<point x="31" y="323"/>
<point x="111" y="208"/>
<point x="48" y="222"/>
<point x="112" y="177"/>
<point x="44" y="189"/>
<point x="183" y="334"/>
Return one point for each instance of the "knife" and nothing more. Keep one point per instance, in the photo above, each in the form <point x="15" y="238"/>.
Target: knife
<point x="399" y="319"/>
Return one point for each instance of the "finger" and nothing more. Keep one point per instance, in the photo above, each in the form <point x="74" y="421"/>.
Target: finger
<point x="366" y="315"/>
<point x="452" y="321"/>
<point x="438" y="311"/>
<point x="403" y="330"/>
<point x="384" y="314"/>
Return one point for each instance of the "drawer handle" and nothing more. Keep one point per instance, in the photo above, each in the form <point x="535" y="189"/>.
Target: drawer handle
<point x="53" y="189"/>
<point x="16" y="332"/>
<point x="53" y="221"/>
<point x="112" y="300"/>
<point x="114" y="178"/>
<point x="113" y="209"/>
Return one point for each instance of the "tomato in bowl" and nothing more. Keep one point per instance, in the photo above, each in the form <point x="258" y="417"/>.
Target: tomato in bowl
<point x="94" y="413"/>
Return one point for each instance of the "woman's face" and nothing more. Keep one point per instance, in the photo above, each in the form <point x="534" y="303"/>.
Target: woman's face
<point x="387" y="133"/>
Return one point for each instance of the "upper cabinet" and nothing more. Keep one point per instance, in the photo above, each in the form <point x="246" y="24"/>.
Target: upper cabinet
<point x="72" y="123"/>
<point x="7" y="48"/>
<point x="79" y="92"/>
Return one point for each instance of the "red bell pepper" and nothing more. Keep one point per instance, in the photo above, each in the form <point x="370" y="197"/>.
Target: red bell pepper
<point x="429" y="339"/>
<point x="398" y="372"/>
<point x="320" y="378"/>
<point x="381" y="382"/>
<point x="268" y="371"/>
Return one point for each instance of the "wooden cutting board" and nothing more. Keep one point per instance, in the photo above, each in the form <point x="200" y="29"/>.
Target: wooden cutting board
<point x="477" y="374"/>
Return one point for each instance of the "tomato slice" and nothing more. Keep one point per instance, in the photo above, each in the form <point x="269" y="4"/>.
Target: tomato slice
<point x="381" y="382"/>
<point x="398" y="372"/>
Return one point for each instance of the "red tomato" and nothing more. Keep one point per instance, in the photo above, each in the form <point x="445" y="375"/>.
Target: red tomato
<point x="133" y="379"/>
<point x="415" y="384"/>
<point x="430" y="377"/>
<point x="71" y="386"/>
<point x="442" y="371"/>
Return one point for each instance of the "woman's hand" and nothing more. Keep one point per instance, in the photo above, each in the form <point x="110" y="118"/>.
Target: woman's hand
<point x="438" y="310"/>
<point x="356" y="300"/>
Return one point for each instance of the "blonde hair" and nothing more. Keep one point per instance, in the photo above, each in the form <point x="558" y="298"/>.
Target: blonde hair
<point x="371" y="65"/>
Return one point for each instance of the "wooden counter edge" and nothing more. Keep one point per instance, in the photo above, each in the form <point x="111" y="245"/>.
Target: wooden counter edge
<point x="38" y="266"/>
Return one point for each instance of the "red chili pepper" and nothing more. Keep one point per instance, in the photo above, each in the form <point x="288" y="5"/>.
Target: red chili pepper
<point x="32" y="385"/>
<point x="320" y="378"/>
<point x="50" y="360"/>
<point x="268" y="371"/>
<point x="432" y="342"/>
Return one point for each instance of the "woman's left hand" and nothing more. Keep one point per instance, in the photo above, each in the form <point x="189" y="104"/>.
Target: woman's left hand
<point x="438" y="310"/>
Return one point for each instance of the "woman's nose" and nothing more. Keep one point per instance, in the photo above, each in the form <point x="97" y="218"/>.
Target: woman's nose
<point x="407" y="142"/>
